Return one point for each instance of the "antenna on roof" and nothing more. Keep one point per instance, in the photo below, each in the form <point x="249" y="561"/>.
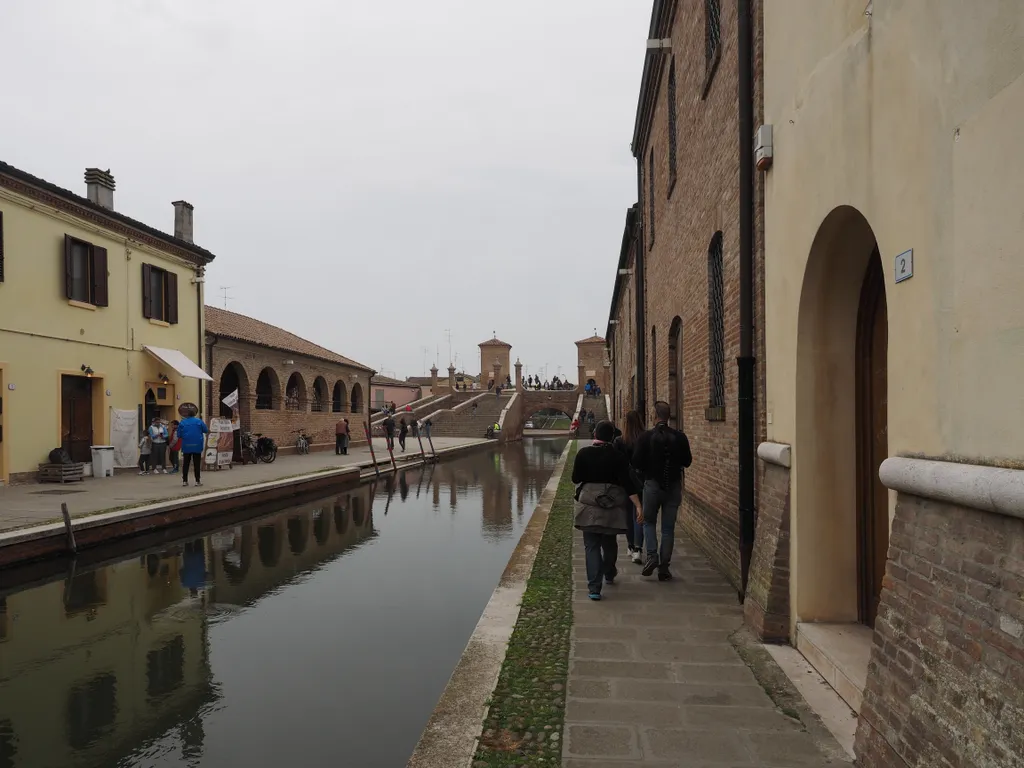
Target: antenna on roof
<point x="224" y="291"/>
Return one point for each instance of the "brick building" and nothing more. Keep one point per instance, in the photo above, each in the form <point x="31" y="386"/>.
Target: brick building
<point x="284" y="382"/>
<point x="675" y="322"/>
<point x="592" y="363"/>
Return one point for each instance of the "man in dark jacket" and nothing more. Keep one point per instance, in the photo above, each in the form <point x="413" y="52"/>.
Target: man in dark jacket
<point x="389" y="432"/>
<point x="604" y="489"/>
<point x="660" y="456"/>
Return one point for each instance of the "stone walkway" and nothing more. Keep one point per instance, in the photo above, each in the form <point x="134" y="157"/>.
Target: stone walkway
<point x="654" y="678"/>
<point x="22" y="505"/>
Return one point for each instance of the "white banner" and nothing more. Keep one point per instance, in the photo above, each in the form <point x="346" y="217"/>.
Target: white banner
<point x="124" y="436"/>
<point x="231" y="400"/>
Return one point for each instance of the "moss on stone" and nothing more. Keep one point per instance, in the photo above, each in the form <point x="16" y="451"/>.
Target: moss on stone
<point x="524" y="720"/>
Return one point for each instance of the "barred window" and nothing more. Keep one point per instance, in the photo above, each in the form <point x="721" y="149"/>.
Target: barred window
<point x="672" y="127"/>
<point x="716" y="330"/>
<point x="654" y="365"/>
<point x="650" y="196"/>
<point x="712" y="40"/>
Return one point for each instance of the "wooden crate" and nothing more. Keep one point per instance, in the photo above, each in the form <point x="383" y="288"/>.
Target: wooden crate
<point x="61" y="473"/>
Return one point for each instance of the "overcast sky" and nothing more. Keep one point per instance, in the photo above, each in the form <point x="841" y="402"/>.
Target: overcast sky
<point x="368" y="173"/>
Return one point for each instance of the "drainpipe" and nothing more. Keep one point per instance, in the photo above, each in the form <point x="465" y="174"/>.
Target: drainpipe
<point x="746" y="357"/>
<point x="641" y="298"/>
<point x="200" y="311"/>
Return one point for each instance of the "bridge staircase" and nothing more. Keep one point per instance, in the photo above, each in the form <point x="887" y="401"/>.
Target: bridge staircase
<point x="460" y="419"/>
<point x="599" y="407"/>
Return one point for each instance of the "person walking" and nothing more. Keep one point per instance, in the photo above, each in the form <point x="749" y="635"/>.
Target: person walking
<point x="173" y="447"/>
<point x="145" y="448"/>
<point x="427" y="426"/>
<point x="661" y="455"/>
<point x="389" y="432"/>
<point x="158" y="439"/>
<point x="403" y="430"/>
<point x="626" y="443"/>
<point x="340" y="433"/>
<point x="192" y="432"/>
<point x="604" y="491"/>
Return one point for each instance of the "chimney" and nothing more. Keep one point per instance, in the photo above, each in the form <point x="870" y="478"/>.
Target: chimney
<point x="183" y="220"/>
<point x="99" y="187"/>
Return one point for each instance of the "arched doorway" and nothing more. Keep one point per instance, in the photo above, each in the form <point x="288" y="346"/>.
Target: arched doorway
<point x="840" y="508"/>
<point x="675" y="372"/>
<point x="340" y="398"/>
<point x="295" y="393"/>
<point x="231" y="379"/>
<point x="357" y="399"/>
<point x="268" y="390"/>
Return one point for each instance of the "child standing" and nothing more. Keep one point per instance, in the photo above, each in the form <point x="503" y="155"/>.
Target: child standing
<point x="145" y="448"/>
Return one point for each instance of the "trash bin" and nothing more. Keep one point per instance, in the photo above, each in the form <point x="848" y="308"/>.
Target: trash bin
<point x="102" y="461"/>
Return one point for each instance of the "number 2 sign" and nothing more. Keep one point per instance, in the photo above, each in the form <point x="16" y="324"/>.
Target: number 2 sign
<point x="905" y="266"/>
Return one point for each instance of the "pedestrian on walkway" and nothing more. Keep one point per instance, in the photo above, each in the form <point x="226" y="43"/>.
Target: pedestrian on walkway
<point x="604" y="490"/>
<point x="403" y="430"/>
<point x="145" y="449"/>
<point x="158" y="438"/>
<point x="626" y="443"/>
<point x="389" y="432"/>
<point x="427" y="426"/>
<point x="193" y="432"/>
<point x="174" y="447"/>
<point x="661" y="455"/>
<point x="341" y="438"/>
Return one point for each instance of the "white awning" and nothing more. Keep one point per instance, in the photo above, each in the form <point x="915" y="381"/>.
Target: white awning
<point x="178" y="362"/>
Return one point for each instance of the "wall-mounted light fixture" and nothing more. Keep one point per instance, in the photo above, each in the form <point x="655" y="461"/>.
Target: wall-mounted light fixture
<point x="88" y="371"/>
<point x="163" y="378"/>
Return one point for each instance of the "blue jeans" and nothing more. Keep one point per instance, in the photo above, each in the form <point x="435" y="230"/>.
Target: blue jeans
<point x="601" y="550"/>
<point x="668" y="501"/>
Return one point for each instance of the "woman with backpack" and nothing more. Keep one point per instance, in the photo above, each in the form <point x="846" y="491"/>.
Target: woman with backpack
<point x="626" y="444"/>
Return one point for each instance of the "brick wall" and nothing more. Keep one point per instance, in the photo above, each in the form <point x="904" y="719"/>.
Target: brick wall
<point x="623" y="348"/>
<point x="592" y="357"/>
<point x="704" y="200"/>
<point x="279" y="422"/>
<point x="766" y="607"/>
<point x="946" y="679"/>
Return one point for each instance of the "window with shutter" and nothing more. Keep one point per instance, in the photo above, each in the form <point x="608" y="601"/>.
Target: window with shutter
<point x="172" y="298"/>
<point x="79" y="269"/>
<point x="1" y="246"/>
<point x="99" y="276"/>
<point x="147" y="301"/>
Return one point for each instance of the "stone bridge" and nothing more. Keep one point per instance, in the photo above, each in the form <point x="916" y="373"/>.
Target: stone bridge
<point x="528" y="402"/>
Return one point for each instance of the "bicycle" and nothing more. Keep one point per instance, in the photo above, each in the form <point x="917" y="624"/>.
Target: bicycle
<point x="303" y="441"/>
<point x="260" y="448"/>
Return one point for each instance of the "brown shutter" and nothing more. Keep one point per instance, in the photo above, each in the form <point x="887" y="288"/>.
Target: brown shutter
<point x="147" y="299"/>
<point x="171" y="281"/>
<point x="1" y="246"/>
<point x="99" y="276"/>
<point x="67" y="266"/>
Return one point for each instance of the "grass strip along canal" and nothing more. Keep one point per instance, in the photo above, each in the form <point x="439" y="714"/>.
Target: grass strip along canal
<point x="523" y="725"/>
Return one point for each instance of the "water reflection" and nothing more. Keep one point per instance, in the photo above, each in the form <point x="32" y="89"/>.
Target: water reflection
<point x="204" y="652"/>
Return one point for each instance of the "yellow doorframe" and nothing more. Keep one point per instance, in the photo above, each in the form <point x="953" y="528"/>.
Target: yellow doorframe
<point x="4" y="463"/>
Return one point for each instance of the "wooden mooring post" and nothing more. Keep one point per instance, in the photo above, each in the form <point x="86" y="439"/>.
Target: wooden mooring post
<point x="72" y="546"/>
<point x="369" y="442"/>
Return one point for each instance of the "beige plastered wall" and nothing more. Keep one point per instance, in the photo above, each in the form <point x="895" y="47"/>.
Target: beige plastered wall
<point x="43" y="335"/>
<point x="910" y="113"/>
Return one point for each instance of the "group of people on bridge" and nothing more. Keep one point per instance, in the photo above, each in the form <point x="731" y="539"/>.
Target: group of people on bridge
<point x="624" y="481"/>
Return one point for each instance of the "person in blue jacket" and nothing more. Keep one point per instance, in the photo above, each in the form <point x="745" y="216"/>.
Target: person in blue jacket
<point x="192" y="433"/>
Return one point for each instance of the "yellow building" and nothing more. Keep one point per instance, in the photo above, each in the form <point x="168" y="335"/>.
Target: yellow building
<point x="101" y="316"/>
<point x="894" y="359"/>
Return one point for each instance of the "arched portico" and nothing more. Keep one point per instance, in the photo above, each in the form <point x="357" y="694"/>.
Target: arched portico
<point x="840" y="509"/>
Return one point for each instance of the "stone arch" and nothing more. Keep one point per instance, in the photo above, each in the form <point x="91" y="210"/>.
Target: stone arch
<point x="827" y="557"/>
<point x="295" y="398"/>
<point x="298" y="533"/>
<point x="320" y="403"/>
<point x="269" y="544"/>
<point x="339" y="399"/>
<point x="231" y="378"/>
<point x="675" y="371"/>
<point x="357" y="398"/>
<point x="268" y="390"/>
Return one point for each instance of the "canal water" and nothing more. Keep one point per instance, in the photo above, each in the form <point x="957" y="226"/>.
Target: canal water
<point x="322" y="635"/>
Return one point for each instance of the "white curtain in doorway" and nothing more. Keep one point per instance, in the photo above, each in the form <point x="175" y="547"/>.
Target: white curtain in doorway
<point x="124" y="436"/>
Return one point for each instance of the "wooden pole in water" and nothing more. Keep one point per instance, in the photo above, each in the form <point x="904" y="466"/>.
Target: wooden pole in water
<point x="369" y="442"/>
<point x="67" y="527"/>
<point x="433" y="453"/>
<point x="423" y="454"/>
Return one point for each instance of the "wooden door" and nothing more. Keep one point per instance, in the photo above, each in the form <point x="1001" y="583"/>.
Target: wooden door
<point x="872" y="440"/>
<point x="76" y="417"/>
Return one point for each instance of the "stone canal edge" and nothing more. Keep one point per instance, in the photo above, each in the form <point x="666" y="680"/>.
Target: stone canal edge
<point x="458" y="732"/>
<point x="49" y="540"/>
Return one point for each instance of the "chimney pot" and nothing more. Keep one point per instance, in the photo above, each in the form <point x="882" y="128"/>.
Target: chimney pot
<point x="183" y="220"/>
<point x="99" y="186"/>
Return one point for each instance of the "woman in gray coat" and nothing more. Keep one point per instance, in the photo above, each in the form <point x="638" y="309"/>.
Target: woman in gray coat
<point x="604" y="488"/>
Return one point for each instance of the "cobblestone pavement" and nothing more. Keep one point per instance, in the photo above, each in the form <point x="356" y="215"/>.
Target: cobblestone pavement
<point x="654" y="678"/>
<point x="22" y="505"/>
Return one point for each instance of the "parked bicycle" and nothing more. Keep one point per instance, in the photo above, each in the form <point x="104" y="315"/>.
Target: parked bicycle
<point x="303" y="441"/>
<point x="258" y="447"/>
